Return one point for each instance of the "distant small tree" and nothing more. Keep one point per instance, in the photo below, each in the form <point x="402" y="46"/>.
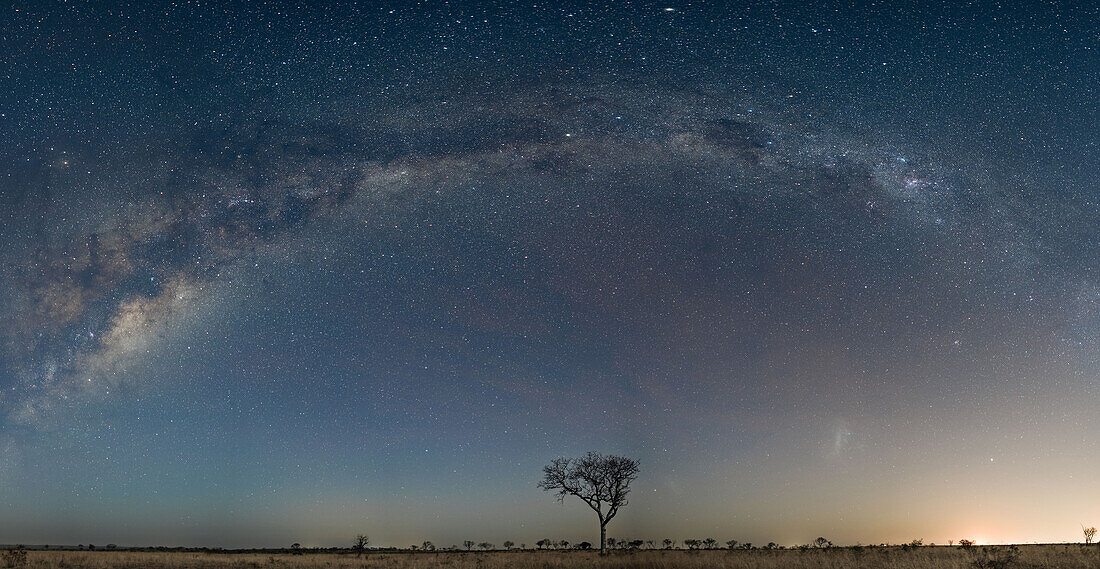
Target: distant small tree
<point x="731" y="544"/>
<point x="485" y="546"/>
<point x="468" y="544"/>
<point x="966" y="543"/>
<point x="771" y="545"/>
<point x="542" y="543"/>
<point x="746" y="545"/>
<point x="427" y="546"/>
<point x="668" y="543"/>
<point x="600" y="481"/>
<point x="650" y="544"/>
<point x="296" y="548"/>
<point x="950" y="542"/>
<point x="822" y="543"/>
<point x="1090" y="533"/>
<point x="509" y="544"/>
<point x="710" y="543"/>
<point x="583" y="545"/>
<point x="360" y="544"/>
<point x="692" y="543"/>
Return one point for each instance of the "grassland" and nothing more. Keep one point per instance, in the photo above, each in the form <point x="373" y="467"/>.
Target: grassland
<point x="1023" y="557"/>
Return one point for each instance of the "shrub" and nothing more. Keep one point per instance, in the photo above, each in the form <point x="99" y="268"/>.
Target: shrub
<point x="15" y="557"/>
<point x="999" y="558"/>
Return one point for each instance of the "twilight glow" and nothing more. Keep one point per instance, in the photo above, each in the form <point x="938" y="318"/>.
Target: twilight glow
<point x="278" y="274"/>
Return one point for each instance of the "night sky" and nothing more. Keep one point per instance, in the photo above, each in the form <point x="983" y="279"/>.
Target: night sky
<point x="279" y="272"/>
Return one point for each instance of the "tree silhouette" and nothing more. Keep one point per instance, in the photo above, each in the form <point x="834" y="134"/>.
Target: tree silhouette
<point x="600" y="481"/>
<point x="509" y="544"/>
<point x="468" y="545"/>
<point x="1090" y="533"/>
<point x="361" y="543"/>
<point x="668" y="543"/>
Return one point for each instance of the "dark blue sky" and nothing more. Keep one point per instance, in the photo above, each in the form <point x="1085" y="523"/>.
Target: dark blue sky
<point x="292" y="273"/>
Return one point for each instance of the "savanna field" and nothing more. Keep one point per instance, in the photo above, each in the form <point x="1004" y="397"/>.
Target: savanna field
<point x="994" y="557"/>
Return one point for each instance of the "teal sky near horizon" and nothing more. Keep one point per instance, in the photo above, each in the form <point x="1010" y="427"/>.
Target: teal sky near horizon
<point x="290" y="273"/>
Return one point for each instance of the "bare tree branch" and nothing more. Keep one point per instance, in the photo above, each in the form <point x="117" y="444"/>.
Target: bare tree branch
<point x="596" y="479"/>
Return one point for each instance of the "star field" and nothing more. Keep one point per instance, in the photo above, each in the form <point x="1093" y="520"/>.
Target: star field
<point x="289" y="273"/>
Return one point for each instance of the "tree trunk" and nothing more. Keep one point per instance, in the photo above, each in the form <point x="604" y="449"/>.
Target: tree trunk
<point x="603" y="538"/>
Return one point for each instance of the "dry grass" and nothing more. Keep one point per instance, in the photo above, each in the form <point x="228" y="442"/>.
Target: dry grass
<point x="1027" y="557"/>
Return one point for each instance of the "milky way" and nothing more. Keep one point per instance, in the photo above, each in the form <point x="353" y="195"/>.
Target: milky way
<point x="753" y="283"/>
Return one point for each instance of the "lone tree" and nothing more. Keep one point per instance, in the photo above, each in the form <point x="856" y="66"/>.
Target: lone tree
<point x="360" y="545"/>
<point x="600" y="481"/>
<point x="1090" y="533"/>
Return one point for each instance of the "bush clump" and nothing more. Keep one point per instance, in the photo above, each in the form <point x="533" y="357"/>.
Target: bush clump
<point x="15" y="557"/>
